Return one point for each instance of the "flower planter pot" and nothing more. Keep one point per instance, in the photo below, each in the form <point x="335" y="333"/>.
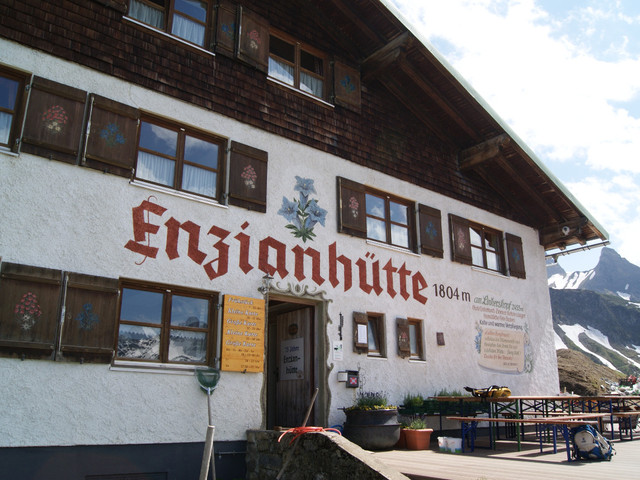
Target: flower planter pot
<point x="418" y="439"/>
<point x="372" y="429"/>
<point x="402" y="441"/>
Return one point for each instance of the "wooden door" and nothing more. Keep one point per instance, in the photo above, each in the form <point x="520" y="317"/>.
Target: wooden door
<point x="291" y="364"/>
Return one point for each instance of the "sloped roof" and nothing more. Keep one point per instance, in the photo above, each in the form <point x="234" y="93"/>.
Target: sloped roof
<point x="393" y="53"/>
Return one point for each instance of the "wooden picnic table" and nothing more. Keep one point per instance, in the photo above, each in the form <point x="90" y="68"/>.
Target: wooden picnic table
<point x="469" y="425"/>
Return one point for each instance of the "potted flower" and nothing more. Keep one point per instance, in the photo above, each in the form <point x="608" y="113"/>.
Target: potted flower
<point x="417" y="435"/>
<point x="371" y="422"/>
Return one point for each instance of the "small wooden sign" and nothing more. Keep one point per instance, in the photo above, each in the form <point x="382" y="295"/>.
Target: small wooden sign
<point x="243" y="334"/>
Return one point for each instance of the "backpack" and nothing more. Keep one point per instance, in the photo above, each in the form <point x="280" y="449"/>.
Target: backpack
<point x="589" y="444"/>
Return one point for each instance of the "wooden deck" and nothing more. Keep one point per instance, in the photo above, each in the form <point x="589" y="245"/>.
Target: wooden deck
<point x="506" y="463"/>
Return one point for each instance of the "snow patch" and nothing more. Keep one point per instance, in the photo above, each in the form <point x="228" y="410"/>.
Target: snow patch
<point x="624" y="296"/>
<point x="558" y="341"/>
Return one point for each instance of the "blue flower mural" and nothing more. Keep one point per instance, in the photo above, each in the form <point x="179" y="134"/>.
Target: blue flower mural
<point x="303" y="214"/>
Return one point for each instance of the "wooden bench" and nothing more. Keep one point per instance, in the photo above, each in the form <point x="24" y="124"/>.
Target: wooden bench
<point x="469" y="426"/>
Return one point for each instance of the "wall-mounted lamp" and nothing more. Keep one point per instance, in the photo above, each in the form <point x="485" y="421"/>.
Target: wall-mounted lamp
<point x="266" y="284"/>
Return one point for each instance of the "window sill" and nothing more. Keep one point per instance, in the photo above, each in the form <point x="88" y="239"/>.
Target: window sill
<point x="376" y="357"/>
<point x="168" y="36"/>
<point x="176" y="193"/>
<point x="300" y="92"/>
<point x="417" y="360"/>
<point x="149" y="367"/>
<point x="8" y="152"/>
<point x="392" y="247"/>
<point x="489" y="272"/>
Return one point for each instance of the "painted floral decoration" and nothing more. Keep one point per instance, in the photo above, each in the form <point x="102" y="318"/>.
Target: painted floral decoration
<point x="254" y="39"/>
<point x="249" y="176"/>
<point x="431" y="230"/>
<point x="112" y="136"/>
<point x="27" y="311"/>
<point x="303" y="214"/>
<point x="55" y="118"/>
<point x="229" y="29"/>
<point x="348" y="85"/>
<point x="87" y="319"/>
<point x="354" y="205"/>
<point x="461" y="240"/>
<point x="515" y="255"/>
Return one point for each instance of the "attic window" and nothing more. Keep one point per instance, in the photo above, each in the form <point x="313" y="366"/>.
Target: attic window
<point x="297" y="65"/>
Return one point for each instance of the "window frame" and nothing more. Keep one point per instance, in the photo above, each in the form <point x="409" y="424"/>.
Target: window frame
<point x="182" y="132"/>
<point x="417" y="323"/>
<point x="388" y="199"/>
<point x="483" y="232"/>
<point x="376" y="327"/>
<point x="168" y="292"/>
<point x="297" y="64"/>
<point x="169" y="12"/>
<point x="18" y="111"/>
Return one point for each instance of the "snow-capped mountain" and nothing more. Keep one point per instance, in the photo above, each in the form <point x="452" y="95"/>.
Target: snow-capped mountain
<point x="597" y="312"/>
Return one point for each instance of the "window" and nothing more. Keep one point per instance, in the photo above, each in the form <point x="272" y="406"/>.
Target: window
<point x="369" y="334"/>
<point x="179" y="158"/>
<point x="376" y="215"/>
<point x="166" y="324"/>
<point x="295" y="64"/>
<point x="415" y="339"/>
<point x="12" y="86"/>
<point x="486" y="248"/>
<point x="388" y="219"/>
<point x="186" y="19"/>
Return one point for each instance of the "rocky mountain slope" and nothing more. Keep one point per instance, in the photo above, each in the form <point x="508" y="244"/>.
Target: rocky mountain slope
<point x="596" y="318"/>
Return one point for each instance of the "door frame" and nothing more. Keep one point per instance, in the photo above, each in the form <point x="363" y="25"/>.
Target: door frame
<point x="302" y="296"/>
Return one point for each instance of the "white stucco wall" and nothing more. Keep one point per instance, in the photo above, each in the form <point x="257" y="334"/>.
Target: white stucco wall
<point x="77" y="219"/>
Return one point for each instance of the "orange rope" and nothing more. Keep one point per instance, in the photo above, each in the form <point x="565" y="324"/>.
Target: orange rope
<point x="297" y="431"/>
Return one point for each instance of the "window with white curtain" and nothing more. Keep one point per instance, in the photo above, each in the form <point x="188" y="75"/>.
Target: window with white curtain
<point x="12" y="85"/>
<point x="296" y="64"/>
<point x="180" y="158"/>
<point x="187" y="19"/>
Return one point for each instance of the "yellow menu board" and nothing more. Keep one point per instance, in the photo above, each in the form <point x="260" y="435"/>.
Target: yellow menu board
<point x="243" y="334"/>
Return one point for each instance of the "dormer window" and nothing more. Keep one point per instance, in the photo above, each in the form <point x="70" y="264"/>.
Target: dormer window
<point x="297" y="65"/>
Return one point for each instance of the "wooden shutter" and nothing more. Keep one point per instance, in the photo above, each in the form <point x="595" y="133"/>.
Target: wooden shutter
<point x="515" y="256"/>
<point x="404" y="337"/>
<point x="430" y="227"/>
<point x="55" y="116"/>
<point x="90" y="316"/>
<point x="253" y="40"/>
<point x="29" y="308"/>
<point x="346" y="86"/>
<point x="360" y="332"/>
<point x="460" y="239"/>
<point x="112" y="132"/>
<point x="248" y="177"/>
<point x="352" y="213"/>
<point x="226" y="29"/>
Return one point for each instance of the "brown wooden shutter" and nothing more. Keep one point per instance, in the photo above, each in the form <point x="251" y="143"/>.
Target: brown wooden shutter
<point x="90" y="316"/>
<point x="360" y="336"/>
<point x="29" y="308"/>
<point x="460" y="239"/>
<point x="55" y="116"/>
<point x="248" y="177"/>
<point x="515" y="256"/>
<point x="111" y="137"/>
<point x="226" y="29"/>
<point x="253" y="40"/>
<point x="346" y="86"/>
<point x="352" y="213"/>
<point x="404" y="337"/>
<point x="430" y="225"/>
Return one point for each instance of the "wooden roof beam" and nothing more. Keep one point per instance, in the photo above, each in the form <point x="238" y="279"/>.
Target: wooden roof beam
<point x="434" y="94"/>
<point x="483" y="152"/>
<point x="381" y="59"/>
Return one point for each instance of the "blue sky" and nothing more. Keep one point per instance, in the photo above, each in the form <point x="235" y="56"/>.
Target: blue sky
<point x="565" y="76"/>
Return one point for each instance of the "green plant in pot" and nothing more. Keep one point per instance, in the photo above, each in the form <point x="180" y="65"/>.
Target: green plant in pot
<point x="418" y="435"/>
<point x="372" y="422"/>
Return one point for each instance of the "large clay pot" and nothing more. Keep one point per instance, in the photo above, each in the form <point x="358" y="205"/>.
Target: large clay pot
<point x="418" y="439"/>
<point x="373" y="429"/>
